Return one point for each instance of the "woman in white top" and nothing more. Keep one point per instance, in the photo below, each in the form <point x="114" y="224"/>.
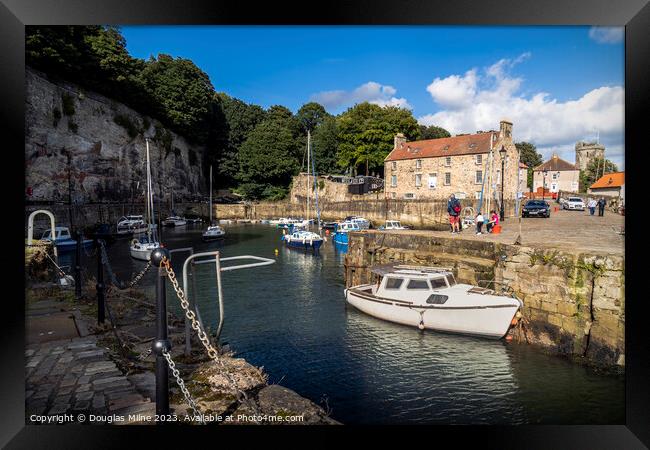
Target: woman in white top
<point x="479" y="222"/>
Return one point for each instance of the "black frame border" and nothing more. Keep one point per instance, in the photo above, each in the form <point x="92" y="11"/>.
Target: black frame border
<point x="633" y="14"/>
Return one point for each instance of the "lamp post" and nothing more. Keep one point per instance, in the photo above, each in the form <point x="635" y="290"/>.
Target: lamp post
<point x="502" y="152"/>
<point x="544" y="184"/>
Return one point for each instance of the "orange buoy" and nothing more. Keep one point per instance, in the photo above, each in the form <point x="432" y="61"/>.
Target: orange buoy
<point x="514" y="321"/>
<point x="327" y="232"/>
<point x="509" y="338"/>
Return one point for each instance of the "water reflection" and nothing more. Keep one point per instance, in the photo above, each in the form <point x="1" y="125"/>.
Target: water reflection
<point x="292" y="319"/>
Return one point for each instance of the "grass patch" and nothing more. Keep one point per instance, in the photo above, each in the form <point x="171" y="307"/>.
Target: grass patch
<point x="125" y="122"/>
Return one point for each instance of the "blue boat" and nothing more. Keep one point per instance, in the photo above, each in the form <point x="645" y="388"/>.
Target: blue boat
<point x="63" y="240"/>
<point x="302" y="239"/>
<point x="342" y="229"/>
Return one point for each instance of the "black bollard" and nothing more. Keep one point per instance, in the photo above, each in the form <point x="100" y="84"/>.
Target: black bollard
<point x="100" y="285"/>
<point x="162" y="342"/>
<point x="77" y="267"/>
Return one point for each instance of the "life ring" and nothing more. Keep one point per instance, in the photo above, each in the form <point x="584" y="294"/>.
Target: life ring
<point x="134" y="242"/>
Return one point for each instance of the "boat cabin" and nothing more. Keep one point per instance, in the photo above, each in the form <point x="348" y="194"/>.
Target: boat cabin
<point x="346" y="227"/>
<point x="61" y="233"/>
<point x="414" y="284"/>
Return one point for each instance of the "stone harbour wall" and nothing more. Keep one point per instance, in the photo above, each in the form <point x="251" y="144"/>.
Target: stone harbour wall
<point x="574" y="303"/>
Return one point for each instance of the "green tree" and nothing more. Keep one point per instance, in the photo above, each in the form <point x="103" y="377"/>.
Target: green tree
<point x="269" y="156"/>
<point x="311" y="115"/>
<point x="366" y="134"/>
<point x="325" y="146"/>
<point x="529" y="155"/>
<point x="595" y="169"/>
<point x="182" y="92"/>
<point x="433" y="132"/>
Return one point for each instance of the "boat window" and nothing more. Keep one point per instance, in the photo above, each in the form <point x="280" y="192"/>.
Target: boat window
<point x="418" y="284"/>
<point x="451" y="280"/>
<point x="437" y="299"/>
<point x="437" y="283"/>
<point x="46" y="235"/>
<point x="393" y="283"/>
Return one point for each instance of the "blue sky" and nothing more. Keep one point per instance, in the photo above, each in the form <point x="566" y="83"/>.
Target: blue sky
<point x="557" y="84"/>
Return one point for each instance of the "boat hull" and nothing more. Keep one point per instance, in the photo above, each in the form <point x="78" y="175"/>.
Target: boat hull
<point x="340" y="238"/>
<point x="208" y="238"/>
<point x="486" y="321"/>
<point x="313" y="245"/>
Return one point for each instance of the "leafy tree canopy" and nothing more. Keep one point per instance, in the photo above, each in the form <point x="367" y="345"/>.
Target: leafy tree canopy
<point x="325" y="146"/>
<point x="433" y="132"/>
<point x="595" y="169"/>
<point x="311" y="115"/>
<point x="529" y="155"/>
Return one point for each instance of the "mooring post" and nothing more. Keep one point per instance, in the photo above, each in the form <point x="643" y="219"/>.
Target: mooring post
<point x="162" y="342"/>
<point x="77" y="267"/>
<point x="100" y="285"/>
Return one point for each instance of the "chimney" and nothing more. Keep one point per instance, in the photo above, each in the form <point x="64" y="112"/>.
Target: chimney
<point x="505" y="130"/>
<point x="400" y="140"/>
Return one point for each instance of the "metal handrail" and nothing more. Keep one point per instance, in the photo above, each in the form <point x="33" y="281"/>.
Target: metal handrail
<point x="218" y="270"/>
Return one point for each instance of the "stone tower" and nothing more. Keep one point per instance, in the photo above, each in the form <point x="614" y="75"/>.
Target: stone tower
<point x="586" y="151"/>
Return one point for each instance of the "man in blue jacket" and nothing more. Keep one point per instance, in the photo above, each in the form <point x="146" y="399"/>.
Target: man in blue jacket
<point x="453" y="209"/>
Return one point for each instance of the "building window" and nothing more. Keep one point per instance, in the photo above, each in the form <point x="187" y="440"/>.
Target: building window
<point x="393" y="165"/>
<point x="393" y="181"/>
<point x="418" y="163"/>
<point x="555" y="176"/>
<point x="433" y="180"/>
<point x="479" y="159"/>
<point x="498" y="176"/>
<point x="447" y="161"/>
<point x="409" y="196"/>
<point x="477" y="195"/>
<point x="479" y="177"/>
<point x="418" y="179"/>
<point x="447" y="178"/>
<point x="393" y="195"/>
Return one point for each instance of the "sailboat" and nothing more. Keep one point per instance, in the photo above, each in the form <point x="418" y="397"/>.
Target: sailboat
<point x="213" y="232"/>
<point x="142" y="246"/>
<point x="305" y="239"/>
<point x="174" y="220"/>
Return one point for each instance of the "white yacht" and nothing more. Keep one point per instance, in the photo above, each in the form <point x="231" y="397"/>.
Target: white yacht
<point x="131" y="224"/>
<point x="213" y="232"/>
<point x="142" y="246"/>
<point x="392" y="225"/>
<point x="430" y="298"/>
<point x="174" y="221"/>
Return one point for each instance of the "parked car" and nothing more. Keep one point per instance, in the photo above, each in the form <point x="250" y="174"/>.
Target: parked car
<point x="574" y="203"/>
<point x="538" y="208"/>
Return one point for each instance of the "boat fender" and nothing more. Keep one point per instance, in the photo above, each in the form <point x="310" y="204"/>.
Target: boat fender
<point x="508" y="338"/>
<point x="421" y="325"/>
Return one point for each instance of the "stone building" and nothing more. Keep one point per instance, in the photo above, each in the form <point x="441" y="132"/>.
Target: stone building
<point x="556" y="175"/>
<point x="586" y="151"/>
<point x="437" y="168"/>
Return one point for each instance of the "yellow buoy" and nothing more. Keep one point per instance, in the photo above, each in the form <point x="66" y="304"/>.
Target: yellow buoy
<point x="276" y="252"/>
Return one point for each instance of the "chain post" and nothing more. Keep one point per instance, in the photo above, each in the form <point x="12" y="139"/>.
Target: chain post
<point x="100" y="287"/>
<point x="162" y="344"/>
<point x="77" y="267"/>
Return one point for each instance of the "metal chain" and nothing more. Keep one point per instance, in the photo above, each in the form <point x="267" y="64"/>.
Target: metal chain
<point x="145" y="354"/>
<point x="196" y="326"/>
<point x="181" y="384"/>
<point x="120" y="285"/>
<point x="139" y="276"/>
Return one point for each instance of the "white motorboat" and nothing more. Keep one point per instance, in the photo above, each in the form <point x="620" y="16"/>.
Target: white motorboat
<point x="430" y="298"/>
<point x="63" y="240"/>
<point x="213" y="232"/>
<point x="174" y="221"/>
<point x="130" y="225"/>
<point x="142" y="246"/>
<point x="286" y="223"/>
<point x="392" y="225"/>
<point x="364" y="224"/>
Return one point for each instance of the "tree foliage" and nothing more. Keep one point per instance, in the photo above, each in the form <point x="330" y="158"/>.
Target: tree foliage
<point x="366" y="134"/>
<point x="325" y="146"/>
<point x="433" y="132"/>
<point x="529" y="155"/>
<point x="311" y="115"/>
<point x="595" y="169"/>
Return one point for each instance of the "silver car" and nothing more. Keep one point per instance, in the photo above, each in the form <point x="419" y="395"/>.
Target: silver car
<point x="574" y="203"/>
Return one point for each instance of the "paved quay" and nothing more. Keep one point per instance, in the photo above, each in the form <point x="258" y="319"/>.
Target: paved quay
<point x="565" y="230"/>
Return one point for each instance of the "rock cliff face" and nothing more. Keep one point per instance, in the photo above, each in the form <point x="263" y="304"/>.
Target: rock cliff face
<point x="101" y="144"/>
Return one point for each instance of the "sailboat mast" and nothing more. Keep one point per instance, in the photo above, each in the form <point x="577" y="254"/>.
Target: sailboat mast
<point x="149" y="194"/>
<point x="210" y="206"/>
<point x="308" y="166"/>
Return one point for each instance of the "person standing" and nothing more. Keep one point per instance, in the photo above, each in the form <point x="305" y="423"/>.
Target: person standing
<point x="592" y="206"/>
<point x="453" y="209"/>
<point x="601" y="206"/>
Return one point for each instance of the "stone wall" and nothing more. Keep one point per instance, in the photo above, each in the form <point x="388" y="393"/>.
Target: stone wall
<point x="106" y="160"/>
<point x="574" y="302"/>
<point x="422" y="214"/>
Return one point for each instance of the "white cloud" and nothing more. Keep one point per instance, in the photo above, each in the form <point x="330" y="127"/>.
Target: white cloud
<point x="607" y="35"/>
<point x="371" y="92"/>
<point x="478" y="100"/>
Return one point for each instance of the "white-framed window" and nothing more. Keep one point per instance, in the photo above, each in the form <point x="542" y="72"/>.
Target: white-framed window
<point x="447" y="161"/>
<point x="418" y="179"/>
<point x="393" y="165"/>
<point x="393" y="181"/>
<point x="477" y="195"/>
<point x="418" y="163"/>
<point x="478" y="177"/>
<point x="555" y="176"/>
<point x="433" y="180"/>
<point x="409" y="196"/>
<point x="479" y="159"/>
<point x="498" y="176"/>
<point x="447" y="178"/>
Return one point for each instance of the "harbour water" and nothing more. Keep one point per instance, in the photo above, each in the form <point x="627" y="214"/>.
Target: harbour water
<point x="291" y="318"/>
